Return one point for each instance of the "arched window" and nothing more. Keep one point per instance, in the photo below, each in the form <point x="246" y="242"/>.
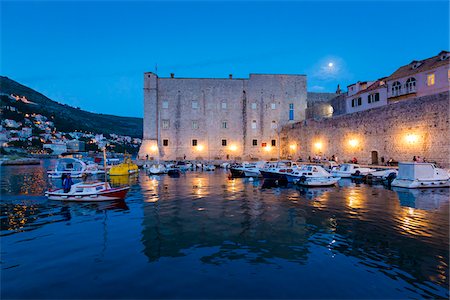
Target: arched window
<point x="410" y="85"/>
<point x="396" y="88"/>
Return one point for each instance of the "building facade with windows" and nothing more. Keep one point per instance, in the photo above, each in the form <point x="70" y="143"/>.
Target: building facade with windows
<point x="219" y="118"/>
<point x="366" y="96"/>
<point x="420" y="78"/>
<point x="416" y="79"/>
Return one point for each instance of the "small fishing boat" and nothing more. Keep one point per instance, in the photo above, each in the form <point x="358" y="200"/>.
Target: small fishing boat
<point x="346" y="170"/>
<point x="183" y="166"/>
<point x="64" y="166"/>
<point x="279" y="170"/>
<point x="209" y="167"/>
<point x="317" y="181"/>
<point x="174" y="172"/>
<point x="88" y="192"/>
<point x="157" y="169"/>
<point x="312" y="176"/>
<point x="125" y="168"/>
<point x="420" y="175"/>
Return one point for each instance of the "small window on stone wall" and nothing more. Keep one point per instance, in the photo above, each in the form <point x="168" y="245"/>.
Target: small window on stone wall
<point x="255" y="142"/>
<point x="165" y="143"/>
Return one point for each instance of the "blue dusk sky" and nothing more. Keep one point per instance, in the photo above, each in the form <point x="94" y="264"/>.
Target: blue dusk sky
<point x="93" y="54"/>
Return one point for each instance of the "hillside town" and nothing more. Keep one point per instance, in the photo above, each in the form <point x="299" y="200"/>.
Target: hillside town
<point x="25" y="133"/>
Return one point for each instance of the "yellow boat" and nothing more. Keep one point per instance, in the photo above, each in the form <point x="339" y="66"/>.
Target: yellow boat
<point x="125" y="168"/>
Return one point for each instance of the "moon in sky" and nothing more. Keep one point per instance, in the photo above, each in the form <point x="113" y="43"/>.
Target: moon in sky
<point x="330" y="64"/>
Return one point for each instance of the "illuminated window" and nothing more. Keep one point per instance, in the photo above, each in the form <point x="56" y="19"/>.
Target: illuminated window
<point x="194" y="124"/>
<point x="194" y="104"/>
<point x="224" y="143"/>
<point x="254" y="124"/>
<point x="430" y="79"/>
<point x="165" y="143"/>
<point x="291" y="111"/>
<point x="273" y="105"/>
<point x="254" y="105"/>
<point x="255" y="142"/>
<point x="274" y="143"/>
<point x="165" y="124"/>
<point x="224" y="125"/>
<point x="194" y="143"/>
<point x="264" y="145"/>
<point x="165" y="104"/>
<point x="224" y="105"/>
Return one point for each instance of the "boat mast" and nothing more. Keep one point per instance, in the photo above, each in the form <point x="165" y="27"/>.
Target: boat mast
<point x="104" y="163"/>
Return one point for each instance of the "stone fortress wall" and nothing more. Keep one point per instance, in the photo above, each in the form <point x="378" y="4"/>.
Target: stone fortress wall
<point x="253" y="109"/>
<point x="399" y="131"/>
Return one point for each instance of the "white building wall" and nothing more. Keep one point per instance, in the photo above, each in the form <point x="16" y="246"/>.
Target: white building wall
<point x="365" y="102"/>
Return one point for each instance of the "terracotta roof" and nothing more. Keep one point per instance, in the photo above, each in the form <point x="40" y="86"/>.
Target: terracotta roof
<point x="373" y="86"/>
<point x="421" y="66"/>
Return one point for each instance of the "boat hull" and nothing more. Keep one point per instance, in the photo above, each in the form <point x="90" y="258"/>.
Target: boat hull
<point x="108" y="195"/>
<point x="236" y="173"/>
<point x="273" y="175"/>
<point x="312" y="182"/>
<point x="420" y="184"/>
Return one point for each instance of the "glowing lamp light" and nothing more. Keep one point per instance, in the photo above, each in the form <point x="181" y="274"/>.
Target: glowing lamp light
<point x="318" y="145"/>
<point x="233" y="148"/>
<point x="353" y="143"/>
<point x="267" y="148"/>
<point x="154" y="148"/>
<point x="200" y="147"/>
<point x="293" y="147"/>
<point x="412" y="138"/>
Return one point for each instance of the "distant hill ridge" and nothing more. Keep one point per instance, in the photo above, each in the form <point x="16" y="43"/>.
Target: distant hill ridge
<point x="67" y="118"/>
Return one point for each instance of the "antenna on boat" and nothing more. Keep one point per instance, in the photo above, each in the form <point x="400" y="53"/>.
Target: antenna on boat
<point x="104" y="164"/>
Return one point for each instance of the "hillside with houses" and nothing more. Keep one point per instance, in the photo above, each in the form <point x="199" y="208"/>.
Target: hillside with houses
<point x="33" y="123"/>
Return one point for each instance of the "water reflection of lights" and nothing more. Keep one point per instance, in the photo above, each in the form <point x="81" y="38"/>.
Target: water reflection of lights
<point x="354" y="198"/>
<point x="18" y="216"/>
<point x="150" y="184"/>
<point x="414" y="222"/>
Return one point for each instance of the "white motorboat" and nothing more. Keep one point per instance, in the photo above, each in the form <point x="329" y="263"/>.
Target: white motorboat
<point x="157" y="169"/>
<point x="346" y="170"/>
<point x="75" y="167"/>
<point x="183" y="166"/>
<point x="279" y="170"/>
<point x="93" y="169"/>
<point x="420" y="175"/>
<point x="88" y="192"/>
<point x="312" y="175"/>
<point x="317" y="181"/>
<point x="209" y="167"/>
<point x="254" y="169"/>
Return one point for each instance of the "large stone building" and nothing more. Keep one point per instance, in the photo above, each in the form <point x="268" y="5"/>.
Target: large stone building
<point x="219" y="118"/>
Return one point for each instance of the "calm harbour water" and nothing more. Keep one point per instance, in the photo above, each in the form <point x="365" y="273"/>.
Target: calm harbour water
<point x="205" y="236"/>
